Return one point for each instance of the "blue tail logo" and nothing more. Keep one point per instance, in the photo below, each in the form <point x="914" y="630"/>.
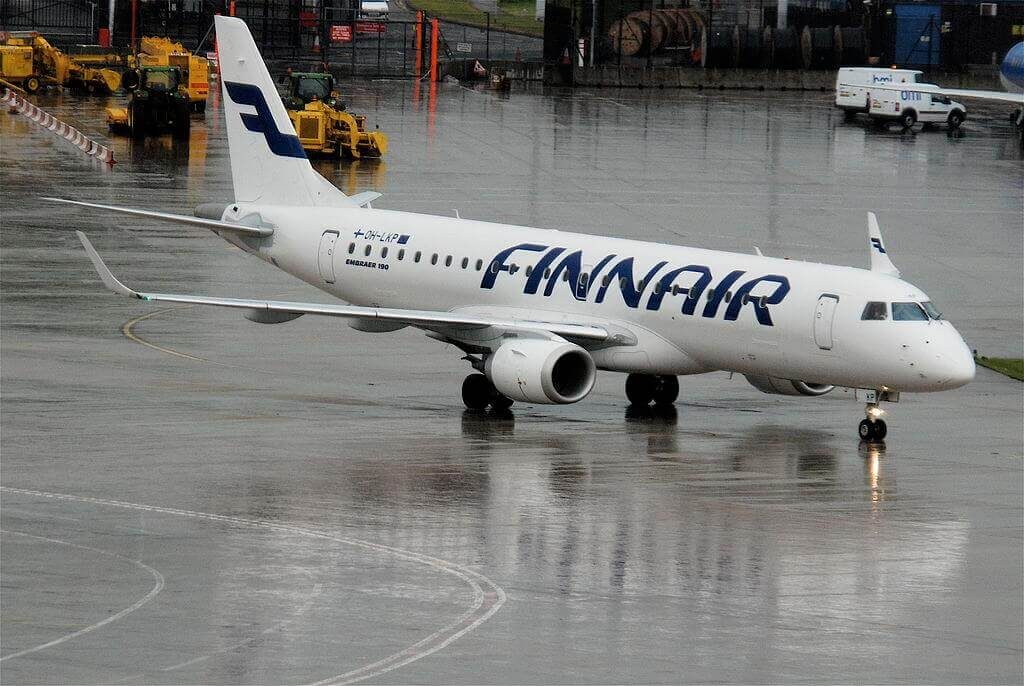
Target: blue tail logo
<point x="280" y="144"/>
<point x="877" y="242"/>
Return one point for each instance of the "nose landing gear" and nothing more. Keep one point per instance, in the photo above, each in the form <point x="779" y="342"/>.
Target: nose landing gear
<point x="873" y="428"/>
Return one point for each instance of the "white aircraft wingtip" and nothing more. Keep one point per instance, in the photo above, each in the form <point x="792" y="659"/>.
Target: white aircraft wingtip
<point x="109" y="280"/>
<point x="880" y="261"/>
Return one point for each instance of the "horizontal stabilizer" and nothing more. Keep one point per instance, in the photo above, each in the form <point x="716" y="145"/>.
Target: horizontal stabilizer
<point x="212" y="224"/>
<point x="365" y="198"/>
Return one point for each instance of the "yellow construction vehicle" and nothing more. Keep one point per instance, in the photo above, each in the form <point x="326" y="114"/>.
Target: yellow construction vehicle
<point x="322" y="123"/>
<point x="163" y="52"/>
<point x="29" y="59"/>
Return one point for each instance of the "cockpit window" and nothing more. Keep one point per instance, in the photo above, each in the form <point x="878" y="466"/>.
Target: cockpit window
<point x="908" y="312"/>
<point x="874" y="311"/>
<point x="932" y="311"/>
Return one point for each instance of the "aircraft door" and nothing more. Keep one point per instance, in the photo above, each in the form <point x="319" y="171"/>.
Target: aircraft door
<point x="823" y="316"/>
<point x="326" y="260"/>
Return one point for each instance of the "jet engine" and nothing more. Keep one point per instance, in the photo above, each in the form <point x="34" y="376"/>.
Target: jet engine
<point x="536" y="370"/>
<point x="776" y="386"/>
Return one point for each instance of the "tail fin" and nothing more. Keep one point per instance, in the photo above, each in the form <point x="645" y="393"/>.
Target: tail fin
<point x="268" y="164"/>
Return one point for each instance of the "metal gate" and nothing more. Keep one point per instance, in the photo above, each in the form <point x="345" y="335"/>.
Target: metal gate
<point x="823" y="316"/>
<point x="326" y="260"/>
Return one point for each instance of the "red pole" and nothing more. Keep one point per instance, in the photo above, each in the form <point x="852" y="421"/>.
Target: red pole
<point x="419" y="44"/>
<point x="433" y="49"/>
<point x="135" y="19"/>
<point x="231" y="9"/>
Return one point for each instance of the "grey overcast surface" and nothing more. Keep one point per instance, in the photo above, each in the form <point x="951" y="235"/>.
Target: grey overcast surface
<point x="188" y="497"/>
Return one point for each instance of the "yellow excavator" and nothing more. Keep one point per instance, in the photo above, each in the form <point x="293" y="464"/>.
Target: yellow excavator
<point x="322" y="123"/>
<point x="163" y="52"/>
<point x="28" y="59"/>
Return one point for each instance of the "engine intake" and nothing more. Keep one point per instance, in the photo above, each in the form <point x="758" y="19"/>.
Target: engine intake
<point x="776" y="386"/>
<point x="536" y="370"/>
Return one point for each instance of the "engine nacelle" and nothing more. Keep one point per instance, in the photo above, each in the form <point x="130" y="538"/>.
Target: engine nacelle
<point x="536" y="370"/>
<point x="777" y="386"/>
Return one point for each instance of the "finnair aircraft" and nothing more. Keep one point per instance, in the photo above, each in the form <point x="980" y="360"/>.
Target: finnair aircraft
<point x="538" y="312"/>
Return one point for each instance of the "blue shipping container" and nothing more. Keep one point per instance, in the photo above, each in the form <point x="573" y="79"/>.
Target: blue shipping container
<point x="917" y="34"/>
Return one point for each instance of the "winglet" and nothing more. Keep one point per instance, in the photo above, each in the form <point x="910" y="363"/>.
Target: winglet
<point x="109" y="280"/>
<point x="880" y="261"/>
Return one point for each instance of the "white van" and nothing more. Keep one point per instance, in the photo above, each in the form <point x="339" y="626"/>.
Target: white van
<point x="919" y="105"/>
<point x="373" y="10"/>
<point x="853" y="85"/>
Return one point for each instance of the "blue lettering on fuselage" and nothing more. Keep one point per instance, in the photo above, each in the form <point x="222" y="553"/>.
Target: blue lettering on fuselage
<point x="572" y="271"/>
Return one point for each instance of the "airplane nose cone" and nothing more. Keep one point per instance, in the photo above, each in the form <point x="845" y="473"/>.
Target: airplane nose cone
<point x="962" y="367"/>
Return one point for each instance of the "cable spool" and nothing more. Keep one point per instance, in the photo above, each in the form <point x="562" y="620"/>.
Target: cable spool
<point x="719" y="50"/>
<point x="817" y="46"/>
<point x="851" y="46"/>
<point x="785" y="48"/>
<point x="749" y="48"/>
<point x="628" y="35"/>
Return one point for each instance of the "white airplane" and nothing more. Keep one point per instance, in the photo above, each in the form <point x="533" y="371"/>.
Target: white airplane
<point x="537" y="311"/>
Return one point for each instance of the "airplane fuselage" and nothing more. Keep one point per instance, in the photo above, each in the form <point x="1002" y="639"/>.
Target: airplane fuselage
<point x="690" y="310"/>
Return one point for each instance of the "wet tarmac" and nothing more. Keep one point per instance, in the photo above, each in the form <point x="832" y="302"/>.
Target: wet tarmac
<point x="188" y="497"/>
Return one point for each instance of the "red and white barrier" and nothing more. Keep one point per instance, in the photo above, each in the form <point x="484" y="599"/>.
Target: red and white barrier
<point x="18" y="104"/>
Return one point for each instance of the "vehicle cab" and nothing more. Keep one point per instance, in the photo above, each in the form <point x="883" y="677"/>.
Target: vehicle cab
<point x="853" y="85"/>
<point x="908" y="107"/>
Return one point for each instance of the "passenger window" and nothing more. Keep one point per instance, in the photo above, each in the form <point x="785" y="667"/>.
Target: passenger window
<point x="908" y="312"/>
<point x="565" y="276"/>
<point x="657" y="288"/>
<point x="529" y="270"/>
<point x="479" y="265"/>
<point x="448" y="261"/>
<point x="351" y="248"/>
<point x="368" y="249"/>
<point x="873" y="311"/>
<point x="433" y="259"/>
<point x="383" y="253"/>
<point x="495" y="267"/>
<point x="465" y="262"/>
<point x="401" y="254"/>
<point x="584" y="277"/>
<point x="416" y="257"/>
<point x="547" y="273"/>
<point x="728" y="296"/>
<point x="711" y="294"/>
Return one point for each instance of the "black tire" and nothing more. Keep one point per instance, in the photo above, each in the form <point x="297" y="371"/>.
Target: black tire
<point x="908" y="119"/>
<point x="666" y="391"/>
<point x="640" y="388"/>
<point x="955" y="119"/>
<point x="477" y="391"/>
<point x="880" y="430"/>
<point x="865" y="430"/>
<point x="32" y="84"/>
<point x="501" y="402"/>
<point x="137" y="123"/>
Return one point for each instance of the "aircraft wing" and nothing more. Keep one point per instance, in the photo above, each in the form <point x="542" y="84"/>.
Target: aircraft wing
<point x="425" y="319"/>
<point x="997" y="96"/>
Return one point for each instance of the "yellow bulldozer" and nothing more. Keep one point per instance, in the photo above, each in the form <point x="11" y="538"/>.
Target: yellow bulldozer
<point x="322" y="123"/>
<point x="163" y="52"/>
<point x="28" y="59"/>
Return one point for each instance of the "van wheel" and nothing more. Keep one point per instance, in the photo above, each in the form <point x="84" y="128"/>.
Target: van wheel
<point x="955" y="119"/>
<point x="908" y="119"/>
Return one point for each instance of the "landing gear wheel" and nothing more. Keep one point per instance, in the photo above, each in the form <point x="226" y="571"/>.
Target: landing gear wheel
<point x="477" y="391"/>
<point x="666" y="391"/>
<point x="501" y="402"/>
<point x="872" y="430"/>
<point x="640" y="389"/>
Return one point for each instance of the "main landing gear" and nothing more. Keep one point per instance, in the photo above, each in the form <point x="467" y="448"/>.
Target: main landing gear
<point x="478" y="393"/>
<point x="642" y="389"/>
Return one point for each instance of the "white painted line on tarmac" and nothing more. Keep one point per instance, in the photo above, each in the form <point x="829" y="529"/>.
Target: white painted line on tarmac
<point x="159" y="586"/>
<point x="488" y="596"/>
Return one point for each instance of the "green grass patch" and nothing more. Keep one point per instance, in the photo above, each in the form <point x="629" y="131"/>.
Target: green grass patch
<point x="1012" y="367"/>
<point x="515" y="16"/>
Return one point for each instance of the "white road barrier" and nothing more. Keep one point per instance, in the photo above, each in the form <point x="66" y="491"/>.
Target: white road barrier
<point x="17" y="104"/>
